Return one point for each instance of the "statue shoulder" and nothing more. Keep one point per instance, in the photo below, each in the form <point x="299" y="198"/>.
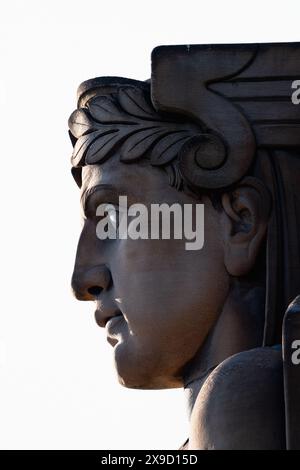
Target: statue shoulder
<point x="241" y="404"/>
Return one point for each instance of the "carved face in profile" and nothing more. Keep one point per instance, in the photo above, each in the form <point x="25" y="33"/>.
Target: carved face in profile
<point x="169" y="297"/>
<point x="164" y="299"/>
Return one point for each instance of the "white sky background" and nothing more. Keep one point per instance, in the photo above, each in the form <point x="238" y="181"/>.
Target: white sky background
<point x="58" y="388"/>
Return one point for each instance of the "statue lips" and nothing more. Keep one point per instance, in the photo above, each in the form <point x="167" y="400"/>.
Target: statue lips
<point x="113" y="322"/>
<point x="111" y="325"/>
<point x="111" y="328"/>
<point x="108" y="321"/>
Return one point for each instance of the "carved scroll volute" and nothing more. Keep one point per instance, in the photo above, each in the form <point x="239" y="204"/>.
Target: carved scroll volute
<point x="180" y="81"/>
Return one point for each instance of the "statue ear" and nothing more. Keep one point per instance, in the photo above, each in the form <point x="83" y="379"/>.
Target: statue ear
<point x="245" y="217"/>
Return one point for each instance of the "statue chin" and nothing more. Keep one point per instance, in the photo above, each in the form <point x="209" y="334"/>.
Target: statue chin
<point x="135" y="374"/>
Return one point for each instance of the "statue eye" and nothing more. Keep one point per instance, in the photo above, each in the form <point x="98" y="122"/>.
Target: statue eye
<point x="112" y="212"/>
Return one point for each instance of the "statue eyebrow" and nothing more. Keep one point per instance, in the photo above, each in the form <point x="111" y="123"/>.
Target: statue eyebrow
<point x="110" y="192"/>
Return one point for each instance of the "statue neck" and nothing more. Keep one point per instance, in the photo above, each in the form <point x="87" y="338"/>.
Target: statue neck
<point x="239" y="328"/>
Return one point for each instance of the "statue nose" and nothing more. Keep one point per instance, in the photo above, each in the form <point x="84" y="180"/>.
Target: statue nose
<point x="87" y="284"/>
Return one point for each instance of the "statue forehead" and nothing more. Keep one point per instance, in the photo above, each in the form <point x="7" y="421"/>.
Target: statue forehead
<point x="125" y="178"/>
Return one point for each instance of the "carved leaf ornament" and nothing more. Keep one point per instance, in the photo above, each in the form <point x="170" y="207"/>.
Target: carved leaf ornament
<point x="128" y="122"/>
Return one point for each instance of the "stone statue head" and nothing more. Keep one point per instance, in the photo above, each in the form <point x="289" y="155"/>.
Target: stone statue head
<point x="215" y="125"/>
